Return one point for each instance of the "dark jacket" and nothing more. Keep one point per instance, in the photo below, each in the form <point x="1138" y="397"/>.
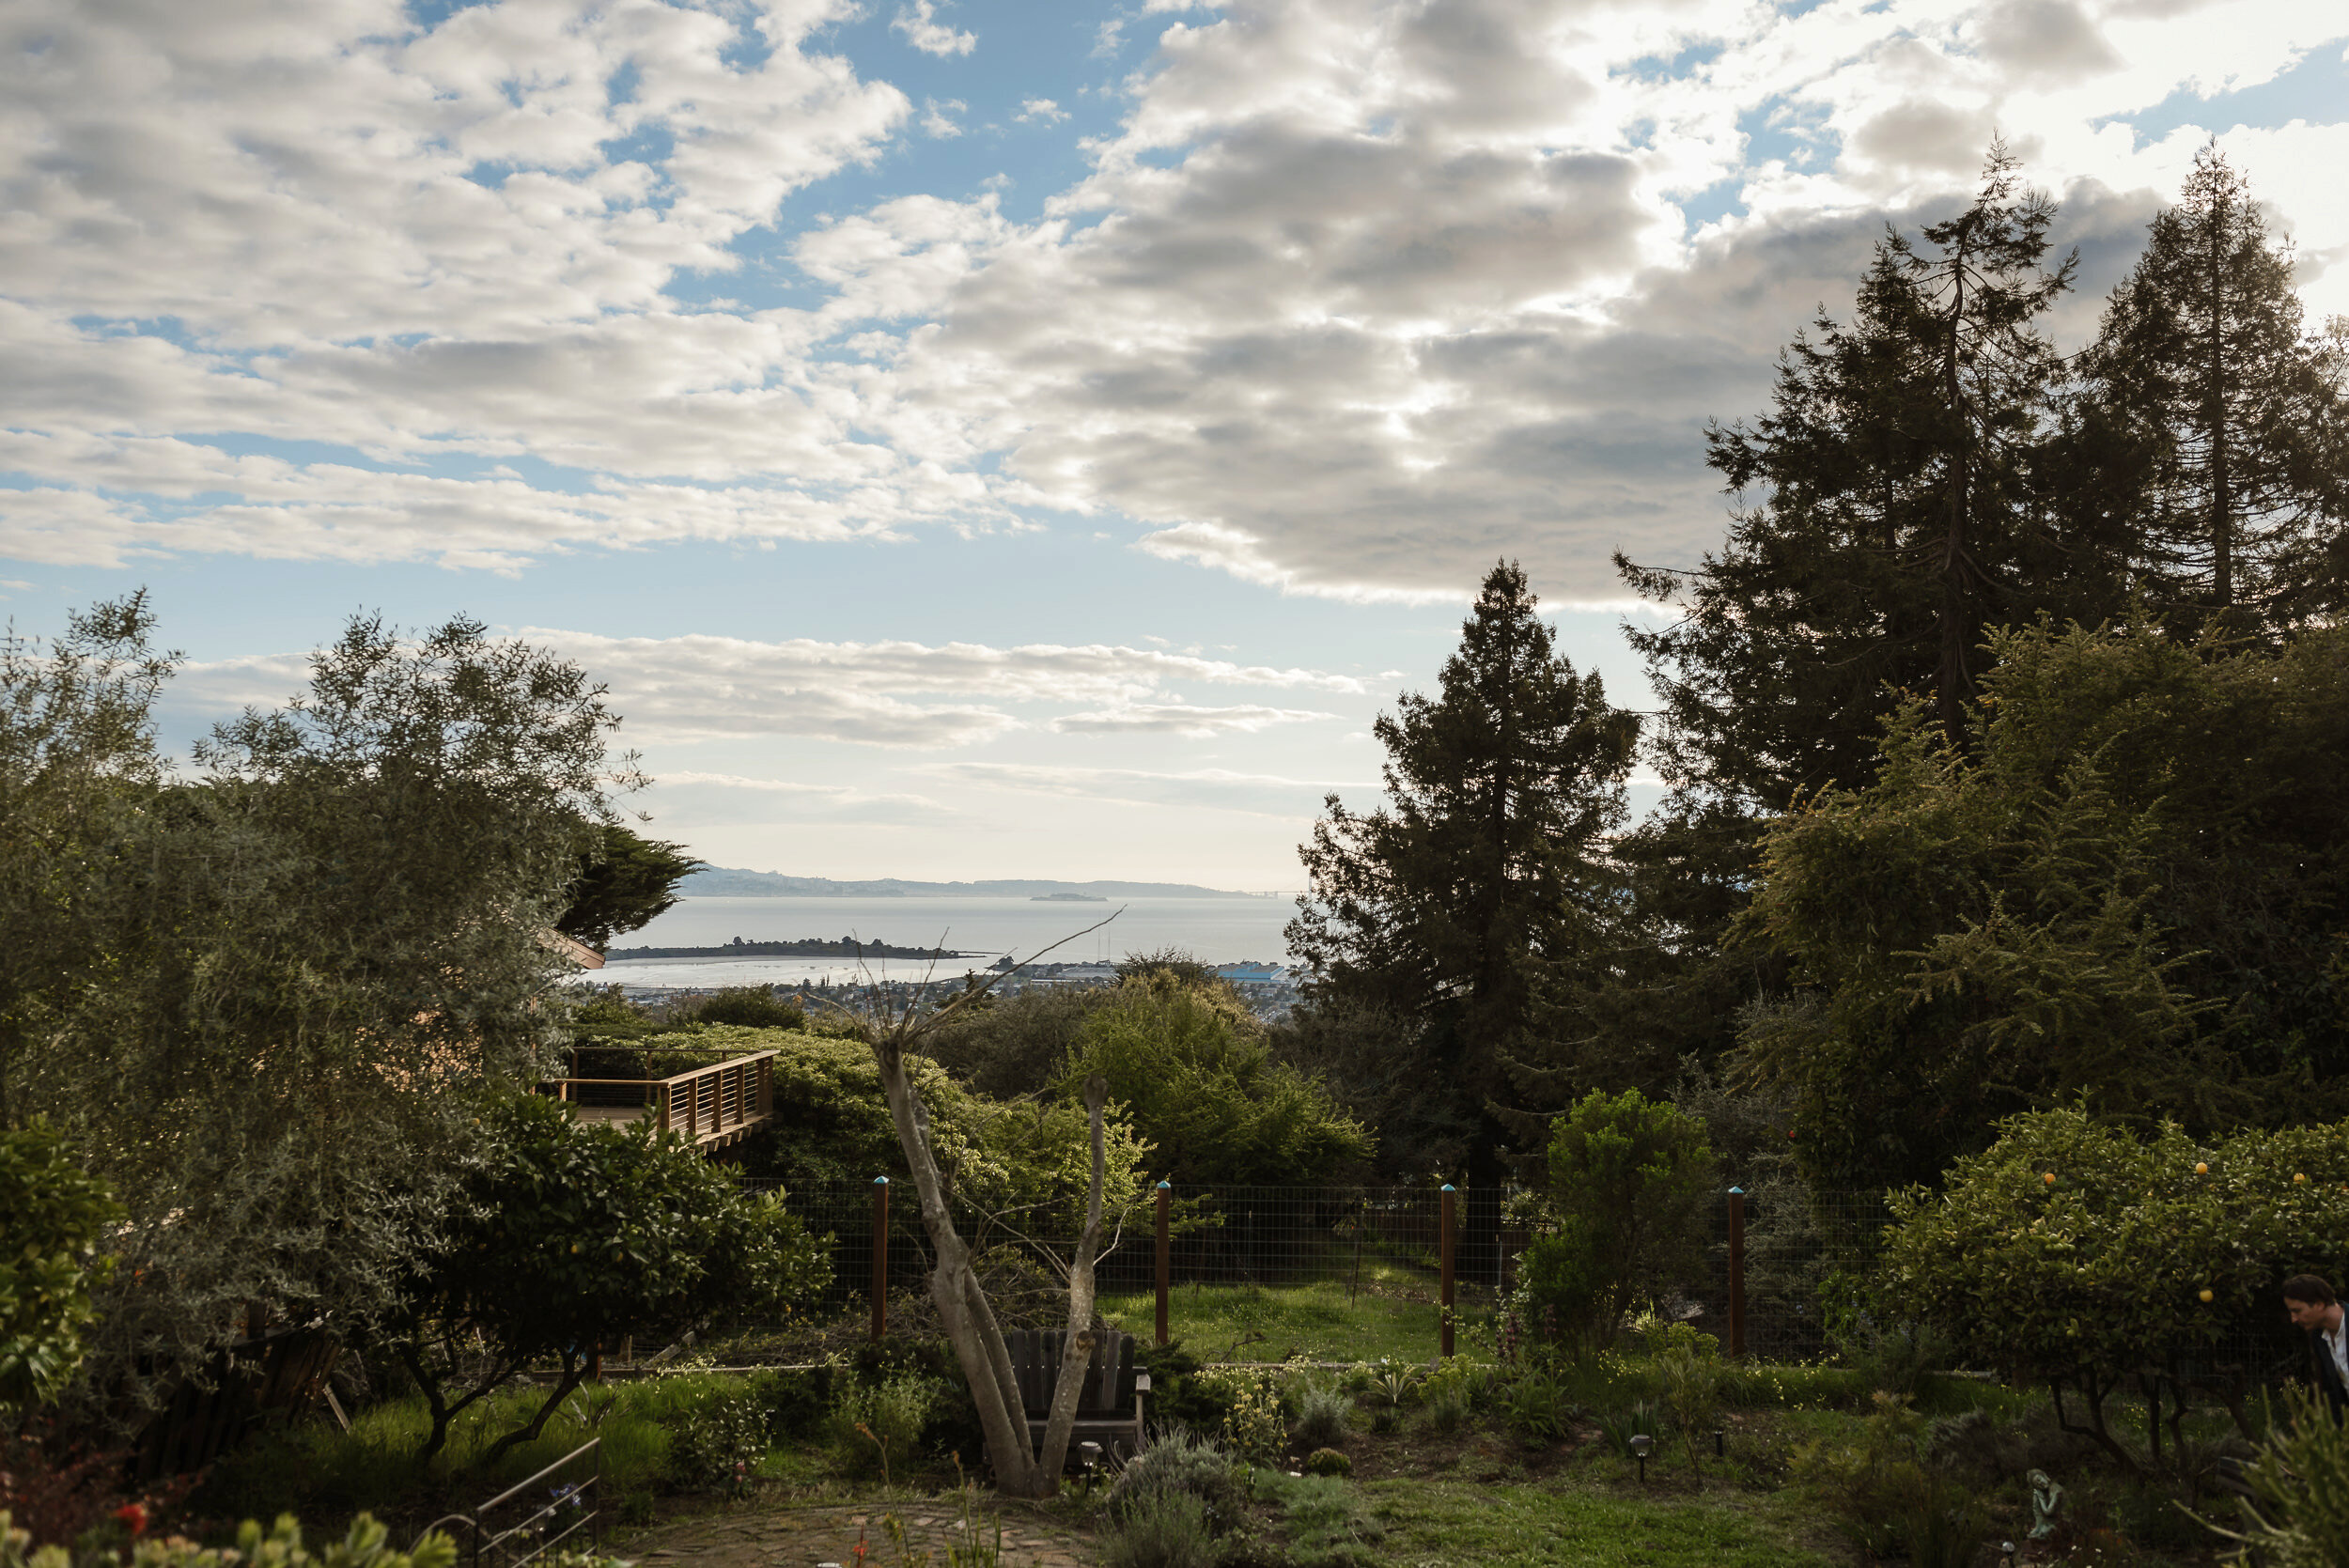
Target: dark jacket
<point x="2328" y="1374"/>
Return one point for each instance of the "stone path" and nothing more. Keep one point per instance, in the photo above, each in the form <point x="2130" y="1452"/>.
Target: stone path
<point x="773" y="1536"/>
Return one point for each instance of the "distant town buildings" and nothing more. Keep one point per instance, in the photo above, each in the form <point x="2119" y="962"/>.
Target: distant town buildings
<point x="1270" y="989"/>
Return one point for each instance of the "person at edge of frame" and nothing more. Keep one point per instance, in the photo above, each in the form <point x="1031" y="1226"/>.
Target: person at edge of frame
<point x="2316" y="1311"/>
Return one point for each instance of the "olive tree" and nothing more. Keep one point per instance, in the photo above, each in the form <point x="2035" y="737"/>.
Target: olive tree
<point x="283" y="976"/>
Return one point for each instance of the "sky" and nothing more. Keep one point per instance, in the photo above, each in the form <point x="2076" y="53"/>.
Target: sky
<point x="983" y="439"/>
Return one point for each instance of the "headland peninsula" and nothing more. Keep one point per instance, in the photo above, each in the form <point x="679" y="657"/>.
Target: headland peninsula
<point x="805" y="947"/>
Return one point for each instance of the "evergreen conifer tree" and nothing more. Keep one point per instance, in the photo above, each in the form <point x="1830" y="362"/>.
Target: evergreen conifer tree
<point x="1469" y="902"/>
<point x="2232" y="418"/>
<point x="1893" y="505"/>
<point x="1907" y="489"/>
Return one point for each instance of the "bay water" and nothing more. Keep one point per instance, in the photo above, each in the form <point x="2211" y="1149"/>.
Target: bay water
<point x="1213" y="930"/>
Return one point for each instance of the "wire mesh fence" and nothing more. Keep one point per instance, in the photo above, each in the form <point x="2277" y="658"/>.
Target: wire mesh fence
<point x="1357" y="1272"/>
<point x="1310" y="1252"/>
<point x="1799" y="1250"/>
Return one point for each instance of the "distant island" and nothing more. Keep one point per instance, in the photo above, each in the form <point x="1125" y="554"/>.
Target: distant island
<point x="729" y="882"/>
<point x="806" y="947"/>
<point x="1068" y="898"/>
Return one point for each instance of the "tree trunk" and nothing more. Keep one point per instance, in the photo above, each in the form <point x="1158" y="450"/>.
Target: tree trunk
<point x="1076" y="1346"/>
<point x="1956" y="682"/>
<point x="410" y="1350"/>
<point x="2215" y="414"/>
<point x="962" y="1305"/>
<point x="574" y="1372"/>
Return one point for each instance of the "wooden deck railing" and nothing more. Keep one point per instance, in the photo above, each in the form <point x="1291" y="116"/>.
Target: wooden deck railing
<point x="713" y="1104"/>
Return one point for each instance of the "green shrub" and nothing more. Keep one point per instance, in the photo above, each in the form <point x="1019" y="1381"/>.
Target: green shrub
<point x="750" y="1006"/>
<point x="952" y="1425"/>
<point x="2301" y="1487"/>
<point x="1191" y="1067"/>
<point x="1328" y="1461"/>
<point x="1179" y="1461"/>
<point x="1324" y="1410"/>
<point x="1886" y="1497"/>
<point x="1628" y="1178"/>
<point x="1641" y="1417"/>
<point x="881" y="1422"/>
<point x="1391" y="1382"/>
<point x="1177" y="1398"/>
<point x="1561" y="1298"/>
<point x="1692" y="1392"/>
<point x="1449" y="1407"/>
<point x="53" y="1214"/>
<point x="1897" y="1358"/>
<point x="1253" y="1426"/>
<point x="1163" y="1530"/>
<point x="363" y="1546"/>
<point x="798" y="1399"/>
<point x="2106" y="1251"/>
<point x="1660" y="1335"/>
<point x="1456" y="1377"/>
<point x="722" y="1442"/>
<point x="1538" y="1407"/>
<point x="645" y="1231"/>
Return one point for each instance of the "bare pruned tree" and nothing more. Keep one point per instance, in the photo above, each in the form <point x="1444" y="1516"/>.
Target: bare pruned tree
<point x="894" y="1030"/>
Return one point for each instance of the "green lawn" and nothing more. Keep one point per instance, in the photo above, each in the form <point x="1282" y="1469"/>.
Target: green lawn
<point x="1393" y="1314"/>
<point x="1441" y="1524"/>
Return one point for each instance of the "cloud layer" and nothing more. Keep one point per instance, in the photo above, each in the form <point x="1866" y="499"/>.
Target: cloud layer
<point x="898" y="694"/>
<point x="1357" y="295"/>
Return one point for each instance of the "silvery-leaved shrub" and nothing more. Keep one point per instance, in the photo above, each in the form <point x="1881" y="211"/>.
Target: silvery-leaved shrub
<point x="1167" y="1529"/>
<point x="1179" y="1461"/>
<point x="1324" y="1411"/>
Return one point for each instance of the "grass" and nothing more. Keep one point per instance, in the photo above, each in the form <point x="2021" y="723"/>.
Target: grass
<point x="1507" y="1525"/>
<point x="318" y="1472"/>
<point x="1425" y="1493"/>
<point x="1393" y="1314"/>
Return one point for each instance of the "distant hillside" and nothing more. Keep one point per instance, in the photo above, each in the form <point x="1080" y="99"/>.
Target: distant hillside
<point x="726" y="883"/>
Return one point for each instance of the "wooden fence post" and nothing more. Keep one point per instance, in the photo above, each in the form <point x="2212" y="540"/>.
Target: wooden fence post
<point x="1444" y="1256"/>
<point x="1165" y="1258"/>
<point x="880" y="1257"/>
<point x="1736" y="1272"/>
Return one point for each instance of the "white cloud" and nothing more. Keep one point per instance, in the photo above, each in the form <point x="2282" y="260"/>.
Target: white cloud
<point x="938" y="115"/>
<point x="1197" y="724"/>
<point x="1216" y="788"/>
<point x="920" y="24"/>
<point x="1024" y="672"/>
<point x="1359" y="296"/>
<point x="886" y="694"/>
<point x="801" y="801"/>
<point x="1040" y="111"/>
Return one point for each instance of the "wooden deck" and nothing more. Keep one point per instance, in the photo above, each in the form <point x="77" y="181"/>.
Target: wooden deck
<point x="714" y="1106"/>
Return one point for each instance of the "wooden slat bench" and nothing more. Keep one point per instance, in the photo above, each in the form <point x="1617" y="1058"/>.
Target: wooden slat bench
<point x="1109" y="1412"/>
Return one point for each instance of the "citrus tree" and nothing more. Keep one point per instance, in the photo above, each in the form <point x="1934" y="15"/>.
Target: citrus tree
<point x="2076" y="1254"/>
<point x="567" y="1232"/>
